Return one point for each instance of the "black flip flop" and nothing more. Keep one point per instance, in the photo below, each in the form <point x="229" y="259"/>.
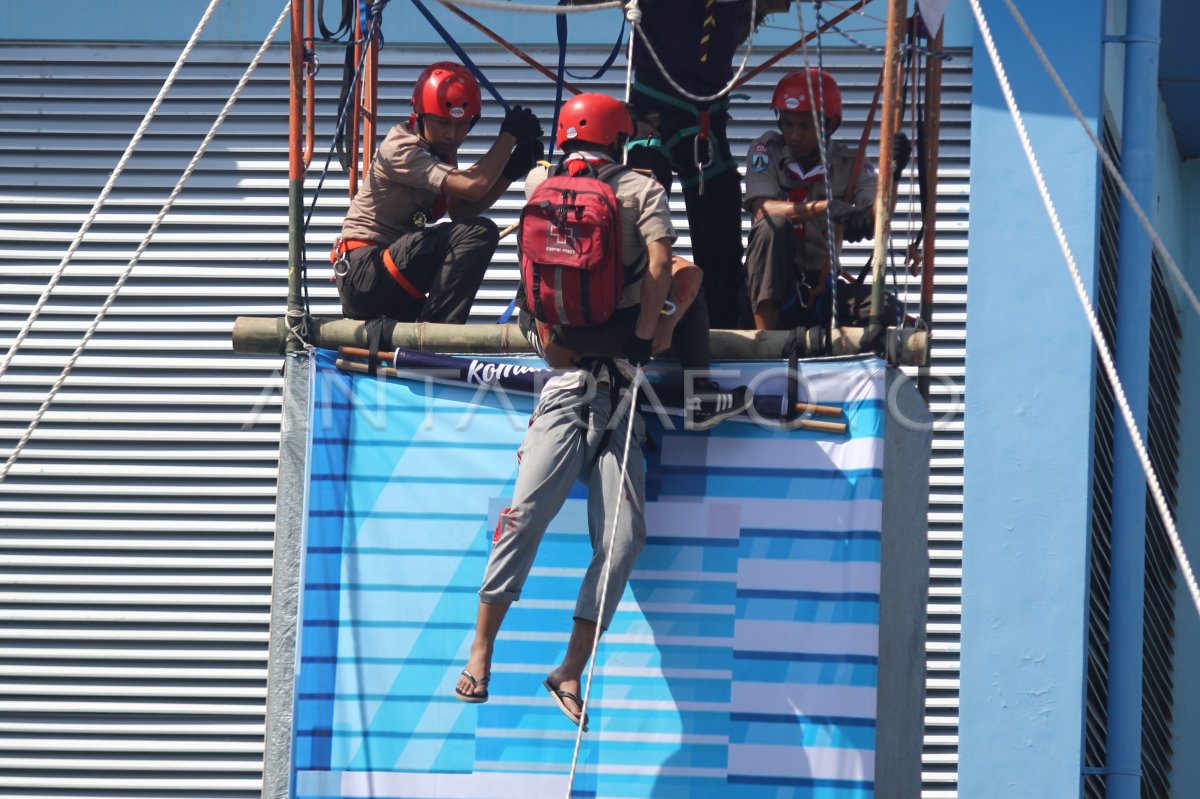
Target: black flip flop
<point x="474" y="699"/>
<point x="559" y="695"/>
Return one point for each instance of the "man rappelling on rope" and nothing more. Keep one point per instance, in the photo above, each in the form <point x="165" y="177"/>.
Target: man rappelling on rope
<point x="786" y="196"/>
<point x="391" y="260"/>
<point x="584" y="427"/>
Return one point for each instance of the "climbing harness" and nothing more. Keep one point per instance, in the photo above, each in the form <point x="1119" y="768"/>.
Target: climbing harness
<point x="712" y="163"/>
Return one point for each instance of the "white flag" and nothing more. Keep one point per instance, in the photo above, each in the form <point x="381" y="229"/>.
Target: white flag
<point x="932" y="12"/>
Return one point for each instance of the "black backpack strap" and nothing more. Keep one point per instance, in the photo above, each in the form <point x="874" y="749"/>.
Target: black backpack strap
<point x="609" y="170"/>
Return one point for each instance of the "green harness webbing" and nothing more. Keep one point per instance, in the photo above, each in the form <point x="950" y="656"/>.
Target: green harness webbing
<point x="719" y="164"/>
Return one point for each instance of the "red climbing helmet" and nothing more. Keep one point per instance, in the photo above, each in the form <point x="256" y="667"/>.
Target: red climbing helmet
<point x="447" y="89"/>
<point x="792" y="94"/>
<point x="593" y="118"/>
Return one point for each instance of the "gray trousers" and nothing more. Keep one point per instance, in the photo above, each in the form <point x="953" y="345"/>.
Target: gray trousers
<point x="560" y="447"/>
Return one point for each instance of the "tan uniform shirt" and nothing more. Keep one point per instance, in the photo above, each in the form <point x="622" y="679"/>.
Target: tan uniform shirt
<point x="399" y="192"/>
<point x="645" y="215"/>
<point x="773" y="173"/>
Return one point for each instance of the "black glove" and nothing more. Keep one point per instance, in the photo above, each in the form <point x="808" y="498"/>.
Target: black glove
<point x="524" y="156"/>
<point x="901" y="153"/>
<point x="859" y="225"/>
<point x="840" y="211"/>
<point x="637" y="350"/>
<point x="521" y="123"/>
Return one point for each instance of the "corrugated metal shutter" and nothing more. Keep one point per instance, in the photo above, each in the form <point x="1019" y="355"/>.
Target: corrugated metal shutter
<point x="137" y="547"/>
<point x="1162" y="442"/>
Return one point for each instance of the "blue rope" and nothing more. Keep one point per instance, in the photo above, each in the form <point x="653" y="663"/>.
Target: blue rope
<point x="608" y="62"/>
<point x="462" y="54"/>
<point x="508" y="312"/>
<point x="560" y="23"/>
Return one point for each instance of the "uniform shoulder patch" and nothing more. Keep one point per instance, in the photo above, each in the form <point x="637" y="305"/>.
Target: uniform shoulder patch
<point x="760" y="156"/>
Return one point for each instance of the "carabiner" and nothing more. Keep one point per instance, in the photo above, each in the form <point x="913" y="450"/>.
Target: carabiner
<point x="705" y="164"/>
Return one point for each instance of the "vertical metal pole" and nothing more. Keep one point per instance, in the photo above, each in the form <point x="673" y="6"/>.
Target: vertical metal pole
<point x="355" y="108"/>
<point x="932" y="134"/>
<point x="370" y="80"/>
<point x="310" y="87"/>
<point x="295" y="175"/>
<point x="892" y="86"/>
<point x="1123" y="769"/>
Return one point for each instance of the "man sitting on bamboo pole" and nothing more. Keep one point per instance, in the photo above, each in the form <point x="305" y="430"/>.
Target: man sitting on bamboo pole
<point x="391" y="260"/>
<point x="788" y="253"/>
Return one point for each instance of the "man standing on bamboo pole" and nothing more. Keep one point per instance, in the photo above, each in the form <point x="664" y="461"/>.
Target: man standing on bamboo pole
<point x="391" y="260"/>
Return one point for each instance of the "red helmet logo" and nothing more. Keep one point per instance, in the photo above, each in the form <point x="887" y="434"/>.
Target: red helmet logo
<point x="447" y="89"/>
<point x="593" y="118"/>
<point x="792" y="92"/>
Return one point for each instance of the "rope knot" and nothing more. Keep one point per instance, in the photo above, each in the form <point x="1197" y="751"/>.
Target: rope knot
<point x="633" y="13"/>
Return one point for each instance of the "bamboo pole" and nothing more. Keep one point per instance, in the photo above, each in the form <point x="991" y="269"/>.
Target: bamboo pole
<point x="892" y="86"/>
<point x="295" y="303"/>
<point x="370" y="95"/>
<point x="267" y="335"/>
<point x="355" y="107"/>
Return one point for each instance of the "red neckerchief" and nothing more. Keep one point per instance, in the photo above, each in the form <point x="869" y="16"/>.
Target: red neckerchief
<point x="578" y="162"/>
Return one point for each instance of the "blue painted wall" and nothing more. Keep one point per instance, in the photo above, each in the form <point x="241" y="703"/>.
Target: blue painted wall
<point x="1028" y="425"/>
<point x="249" y="20"/>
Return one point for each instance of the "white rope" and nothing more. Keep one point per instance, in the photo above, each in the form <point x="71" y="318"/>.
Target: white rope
<point x="1109" y="165"/>
<point x="528" y="8"/>
<point x="637" y="26"/>
<point x="1106" y="358"/>
<point x="107" y="190"/>
<point x="112" y="296"/>
<point x="587" y="686"/>
<point x="634" y="15"/>
<point x="818" y="114"/>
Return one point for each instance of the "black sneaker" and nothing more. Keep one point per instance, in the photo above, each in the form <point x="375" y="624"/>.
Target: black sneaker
<point x="708" y="408"/>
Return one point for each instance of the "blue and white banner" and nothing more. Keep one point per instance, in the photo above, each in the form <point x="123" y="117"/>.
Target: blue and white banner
<point x="742" y="661"/>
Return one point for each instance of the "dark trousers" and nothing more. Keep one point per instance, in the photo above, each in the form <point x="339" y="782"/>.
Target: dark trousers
<point x="772" y="273"/>
<point x="445" y="262"/>
<point x="689" y="342"/>
<point x="714" y="217"/>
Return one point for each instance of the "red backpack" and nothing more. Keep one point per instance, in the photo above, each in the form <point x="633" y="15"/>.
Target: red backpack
<point x="570" y="249"/>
